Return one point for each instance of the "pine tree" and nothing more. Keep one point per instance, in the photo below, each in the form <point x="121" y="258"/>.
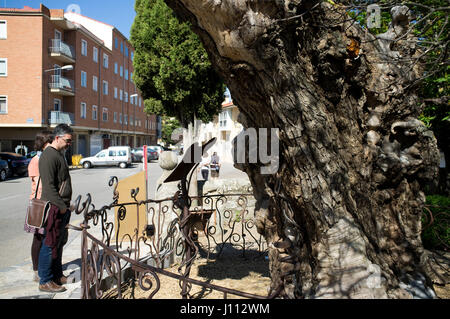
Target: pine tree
<point x="171" y="66"/>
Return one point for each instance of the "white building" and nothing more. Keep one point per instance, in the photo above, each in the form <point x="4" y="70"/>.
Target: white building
<point x="224" y="127"/>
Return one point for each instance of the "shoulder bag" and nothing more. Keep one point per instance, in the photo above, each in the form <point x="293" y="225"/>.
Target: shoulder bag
<point x="37" y="209"/>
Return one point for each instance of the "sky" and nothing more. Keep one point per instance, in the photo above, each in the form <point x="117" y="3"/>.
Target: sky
<point x="118" y="13"/>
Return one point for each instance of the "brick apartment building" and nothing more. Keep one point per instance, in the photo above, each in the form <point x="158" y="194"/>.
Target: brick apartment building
<point x="38" y="88"/>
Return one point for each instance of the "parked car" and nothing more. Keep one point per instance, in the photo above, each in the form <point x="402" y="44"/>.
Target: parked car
<point x="4" y="170"/>
<point x="138" y="153"/>
<point x="135" y="155"/>
<point x="112" y="156"/>
<point x="30" y="155"/>
<point x="159" y="148"/>
<point x="17" y="164"/>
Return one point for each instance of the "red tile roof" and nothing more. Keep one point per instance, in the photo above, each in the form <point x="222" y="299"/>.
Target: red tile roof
<point x="24" y="9"/>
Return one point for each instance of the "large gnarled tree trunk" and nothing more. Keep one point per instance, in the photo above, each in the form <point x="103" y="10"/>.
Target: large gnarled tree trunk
<point x="342" y="214"/>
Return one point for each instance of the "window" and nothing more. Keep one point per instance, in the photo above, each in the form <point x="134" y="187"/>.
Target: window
<point x="57" y="70"/>
<point x="58" y="35"/>
<point x="105" y="114"/>
<point x="116" y="43"/>
<point x="126" y="96"/>
<point x="57" y="105"/>
<point x="83" y="110"/>
<point x="3" y="67"/>
<point x="126" y="51"/>
<point x="105" y="60"/>
<point x="120" y="118"/>
<point x="3" y="31"/>
<point x="125" y="119"/>
<point x="112" y="153"/>
<point x="121" y="46"/>
<point x="131" y="77"/>
<point x="94" y="83"/>
<point x="115" y="93"/>
<point x="140" y="102"/>
<point x="115" y="67"/>
<point x="115" y="117"/>
<point x="105" y="88"/>
<point x="224" y="118"/>
<point x="102" y="154"/>
<point x="121" y="95"/>
<point x="3" y="104"/>
<point x="131" y="121"/>
<point x="95" y="54"/>
<point x="132" y="55"/>
<point x="126" y="74"/>
<point x="83" y="79"/>
<point x="94" y="112"/>
<point x="83" y="47"/>
<point x="121" y="71"/>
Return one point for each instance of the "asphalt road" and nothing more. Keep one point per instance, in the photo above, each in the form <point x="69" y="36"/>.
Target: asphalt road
<point x="15" y="243"/>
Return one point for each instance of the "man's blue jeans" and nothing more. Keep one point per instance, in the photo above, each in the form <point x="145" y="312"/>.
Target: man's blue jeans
<point x="48" y="268"/>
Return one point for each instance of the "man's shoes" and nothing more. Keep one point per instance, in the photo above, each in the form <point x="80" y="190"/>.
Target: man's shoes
<point x="62" y="280"/>
<point x="51" y="287"/>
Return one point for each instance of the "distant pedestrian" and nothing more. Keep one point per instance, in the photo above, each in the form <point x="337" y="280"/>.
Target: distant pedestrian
<point x="56" y="188"/>
<point x="204" y="167"/>
<point x="42" y="140"/>
<point x="215" y="165"/>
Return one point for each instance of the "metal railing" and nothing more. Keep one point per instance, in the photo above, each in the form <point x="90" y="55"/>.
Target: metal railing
<point x="58" y="117"/>
<point x="59" y="47"/>
<point x="169" y="236"/>
<point x="222" y="220"/>
<point x="61" y="83"/>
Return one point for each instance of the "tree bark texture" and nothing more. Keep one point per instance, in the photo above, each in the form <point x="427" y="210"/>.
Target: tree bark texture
<point x="342" y="215"/>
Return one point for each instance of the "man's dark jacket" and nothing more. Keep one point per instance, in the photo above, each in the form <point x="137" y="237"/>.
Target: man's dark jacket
<point x="54" y="172"/>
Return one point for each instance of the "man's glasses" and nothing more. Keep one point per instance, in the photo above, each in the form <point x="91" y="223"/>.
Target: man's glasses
<point x="67" y="140"/>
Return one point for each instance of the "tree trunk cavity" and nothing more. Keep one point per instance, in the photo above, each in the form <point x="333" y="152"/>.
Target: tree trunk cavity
<point x="342" y="215"/>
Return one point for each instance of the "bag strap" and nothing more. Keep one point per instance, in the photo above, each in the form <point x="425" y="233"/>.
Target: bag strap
<point x="37" y="187"/>
<point x="62" y="187"/>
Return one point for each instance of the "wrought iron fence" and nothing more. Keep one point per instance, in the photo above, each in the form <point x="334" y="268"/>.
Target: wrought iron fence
<point x="213" y="222"/>
<point x="175" y="229"/>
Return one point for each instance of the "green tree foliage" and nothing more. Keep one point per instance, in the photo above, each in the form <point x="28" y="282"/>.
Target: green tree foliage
<point x="436" y="223"/>
<point x="169" y="125"/>
<point x="172" y="68"/>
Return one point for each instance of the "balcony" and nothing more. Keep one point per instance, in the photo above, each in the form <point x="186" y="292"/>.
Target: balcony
<point x="61" y="51"/>
<point x="61" y="85"/>
<point x="57" y="117"/>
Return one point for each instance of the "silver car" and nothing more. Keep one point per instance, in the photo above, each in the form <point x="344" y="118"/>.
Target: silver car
<point x="114" y="155"/>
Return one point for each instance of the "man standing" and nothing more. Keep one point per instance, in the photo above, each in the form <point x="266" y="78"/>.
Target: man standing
<point x="215" y="165"/>
<point x="56" y="188"/>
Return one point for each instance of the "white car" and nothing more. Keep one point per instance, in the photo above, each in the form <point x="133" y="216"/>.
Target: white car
<point x="112" y="156"/>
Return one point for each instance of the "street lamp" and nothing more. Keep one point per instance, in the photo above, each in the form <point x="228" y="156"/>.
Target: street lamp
<point x="66" y="67"/>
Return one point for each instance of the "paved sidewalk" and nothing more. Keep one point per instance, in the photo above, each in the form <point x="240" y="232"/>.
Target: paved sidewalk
<point x="16" y="282"/>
